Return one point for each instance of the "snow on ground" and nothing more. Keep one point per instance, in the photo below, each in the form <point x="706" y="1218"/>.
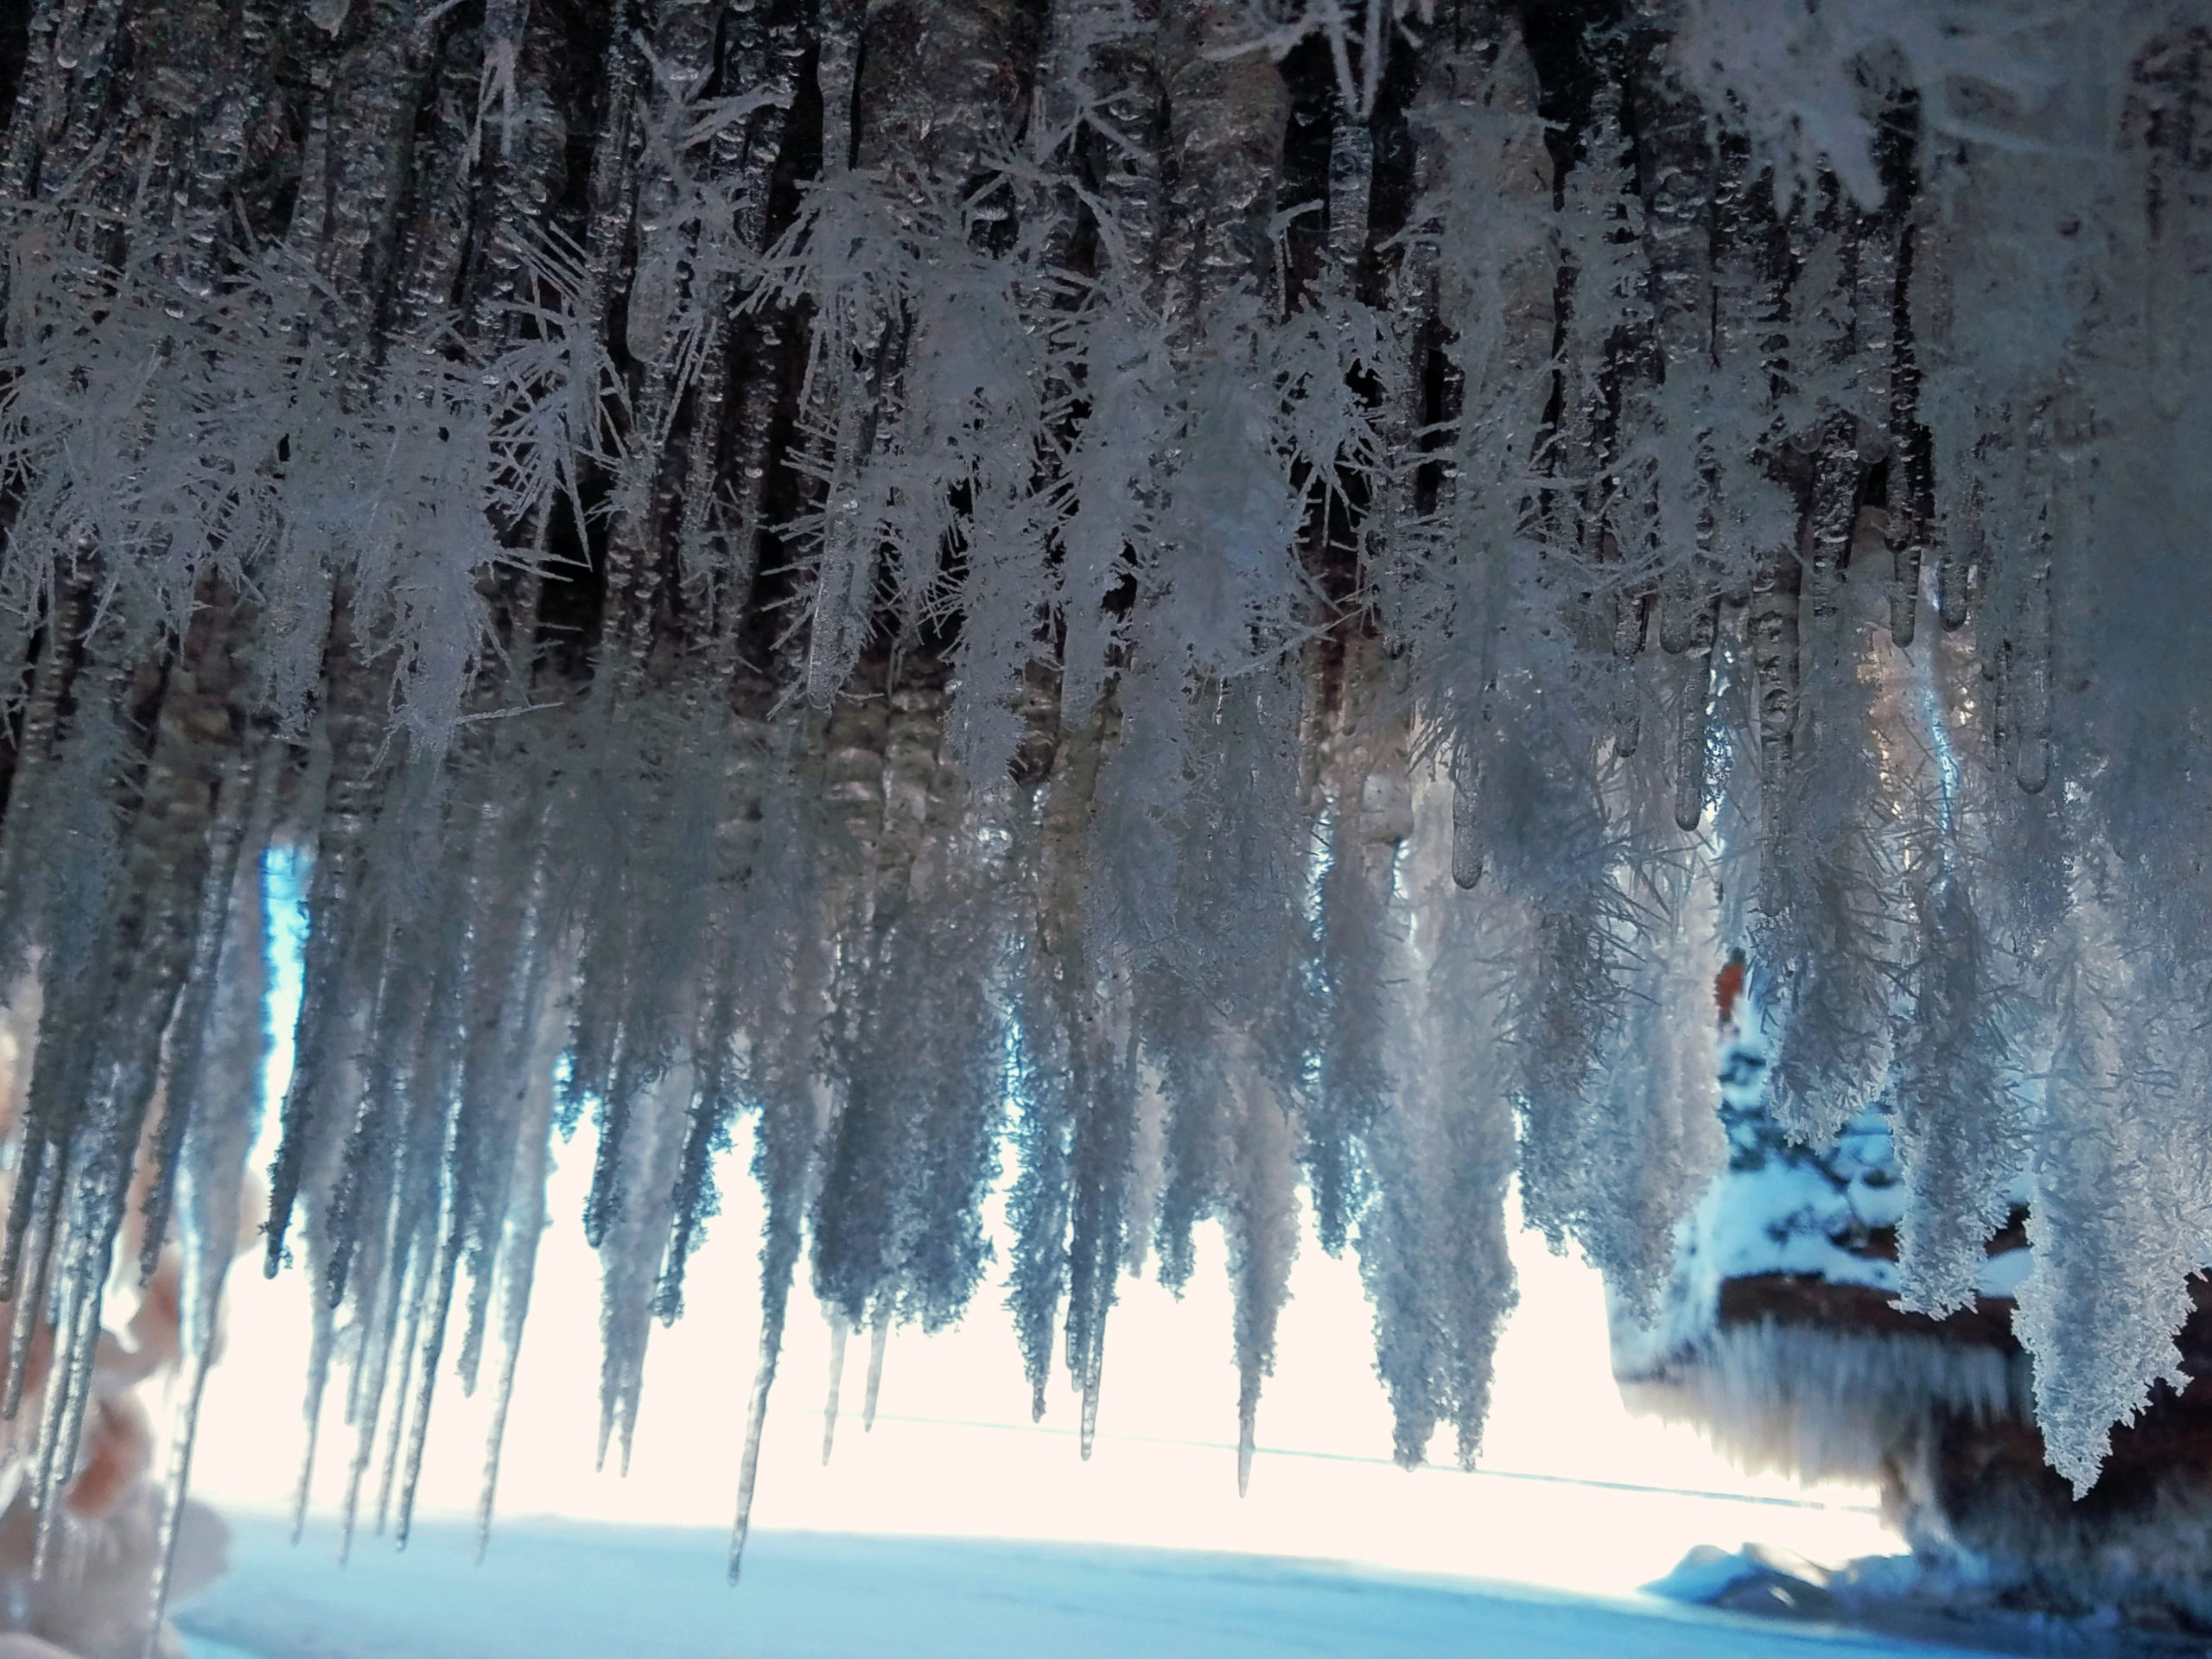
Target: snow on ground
<point x="559" y="1591"/>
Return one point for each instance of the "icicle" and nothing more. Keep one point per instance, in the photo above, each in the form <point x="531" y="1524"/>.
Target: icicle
<point x="32" y="785"/>
<point x="1692" y="769"/>
<point x="225" y="839"/>
<point x="364" y="1408"/>
<point x="1352" y="177"/>
<point x="525" y="1225"/>
<point x="406" y="1332"/>
<point x="1037" y="1209"/>
<point x="1370" y="815"/>
<point x="1101" y="1103"/>
<point x="838" y="1330"/>
<point x="40" y="1206"/>
<point x="1467" y="834"/>
<point x="786" y="1137"/>
<point x="352" y="741"/>
<point x="2030" y="665"/>
<point x="1262" y="1228"/>
<point x="879" y="1339"/>
<point x="756" y="1418"/>
<point x="506" y="1065"/>
<point x="207" y="1173"/>
<point x="1087" y="1420"/>
<point x="1773" y="639"/>
<point x="323" y="1341"/>
<point x="633" y="1250"/>
<point x="418" y="1425"/>
<point x="1906" y="552"/>
<point x="780" y="1157"/>
<point x="845" y="587"/>
<point x="1912" y="468"/>
<point x="61" y="1420"/>
<point x="2098" y="1352"/>
<point x="176" y="1481"/>
<point x="1432" y="1246"/>
<point x="1952" y="565"/>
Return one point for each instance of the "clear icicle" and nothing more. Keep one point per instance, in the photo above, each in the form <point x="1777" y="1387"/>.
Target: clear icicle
<point x="524" y="1227"/>
<point x="211" y="1156"/>
<point x="838" y="1331"/>
<point x="756" y="1419"/>
<point x="879" y="1342"/>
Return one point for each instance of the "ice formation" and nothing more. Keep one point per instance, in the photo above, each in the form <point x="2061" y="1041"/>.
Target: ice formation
<point x="1783" y="1334"/>
<point x="1782" y="1331"/>
<point x="1200" y="594"/>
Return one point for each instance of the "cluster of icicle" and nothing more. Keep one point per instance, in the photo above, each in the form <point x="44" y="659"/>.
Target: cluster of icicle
<point x="1202" y="597"/>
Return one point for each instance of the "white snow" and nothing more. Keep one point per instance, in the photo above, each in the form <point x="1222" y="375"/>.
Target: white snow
<point x="572" y="1593"/>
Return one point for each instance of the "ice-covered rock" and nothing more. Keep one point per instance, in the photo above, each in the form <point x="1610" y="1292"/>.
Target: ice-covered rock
<point x="1781" y="1336"/>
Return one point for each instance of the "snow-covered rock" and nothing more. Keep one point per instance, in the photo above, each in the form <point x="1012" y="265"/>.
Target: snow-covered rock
<point x="1782" y="1336"/>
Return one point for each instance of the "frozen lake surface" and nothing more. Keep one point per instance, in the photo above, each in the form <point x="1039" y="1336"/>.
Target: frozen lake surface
<point x="564" y="1590"/>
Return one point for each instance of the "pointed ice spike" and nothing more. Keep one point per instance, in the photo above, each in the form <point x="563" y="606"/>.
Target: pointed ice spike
<point x="748" y="1469"/>
<point x="838" y="1329"/>
<point x="1678" y="610"/>
<point x="30" y="1309"/>
<point x="518" y="1287"/>
<point x="495" y="1436"/>
<point x="173" y="1491"/>
<point x="526" y="1229"/>
<point x="394" y="1432"/>
<point x="879" y="1339"/>
<point x="69" y="1392"/>
<point x="375" y="1334"/>
<point x="1087" y="1432"/>
<point x="418" y="1428"/>
<point x="364" y="1402"/>
<point x="318" y="1357"/>
<point x="87" y="1273"/>
<point x="211" y="1157"/>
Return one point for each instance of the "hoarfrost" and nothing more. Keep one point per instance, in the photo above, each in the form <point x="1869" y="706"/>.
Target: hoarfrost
<point x="1200" y="598"/>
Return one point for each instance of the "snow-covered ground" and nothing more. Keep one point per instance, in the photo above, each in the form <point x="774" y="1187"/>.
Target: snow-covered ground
<point x="560" y="1590"/>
